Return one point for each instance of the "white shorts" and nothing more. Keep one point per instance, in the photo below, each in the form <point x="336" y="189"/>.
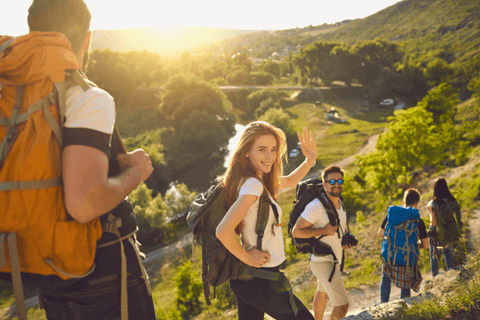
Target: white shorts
<point x="336" y="289"/>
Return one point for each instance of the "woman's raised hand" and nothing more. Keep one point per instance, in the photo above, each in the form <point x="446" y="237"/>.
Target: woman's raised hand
<point x="308" y="146"/>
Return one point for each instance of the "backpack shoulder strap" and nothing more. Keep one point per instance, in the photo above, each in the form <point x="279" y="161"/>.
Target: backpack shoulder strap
<point x="330" y="210"/>
<point x="263" y="212"/>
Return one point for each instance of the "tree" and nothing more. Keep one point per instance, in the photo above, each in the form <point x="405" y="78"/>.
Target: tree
<point x="216" y="70"/>
<point x="266" y="105"/>
<point x="373" y="57"/>
<point x="178" y="200"/>
<point x="238" y="77"/>
<point x="149" y="213"/>
<point x="261" y="78"/>
<point x="122" y="73"/>
<point x="438" y="71"/>
<point x="474" y="86"/>
<point x="255" y="98"/>
<point x="441" y="102"/>
<point x="314" y="59"/>
<point x="188" y="288"/>
<point x="199" y="126"/>
<point x="239" y="100"/>
<point x="341" y="65"/>
<point x="411" y="141"/>
<point x="240" y="59"/>
<point x="413" y="85"/>
<point x="271" y="67"/>
<point x="145" y="68"/>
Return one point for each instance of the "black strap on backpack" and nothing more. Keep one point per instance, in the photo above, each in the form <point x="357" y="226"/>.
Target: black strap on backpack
<point x="328" y="205"/>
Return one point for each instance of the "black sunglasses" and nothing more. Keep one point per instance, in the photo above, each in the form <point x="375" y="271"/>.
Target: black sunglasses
<point x="332" y="181"/>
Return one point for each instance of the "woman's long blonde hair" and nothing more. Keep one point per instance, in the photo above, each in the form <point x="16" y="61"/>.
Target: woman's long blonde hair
<point x="239" y="166"/>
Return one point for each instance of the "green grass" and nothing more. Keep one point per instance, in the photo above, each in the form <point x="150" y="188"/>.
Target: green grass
<point x="336" y="140"/>
<point x="462" y="301"/>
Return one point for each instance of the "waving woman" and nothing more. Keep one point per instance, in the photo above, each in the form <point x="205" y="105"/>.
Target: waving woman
<point x="255" y="166"/>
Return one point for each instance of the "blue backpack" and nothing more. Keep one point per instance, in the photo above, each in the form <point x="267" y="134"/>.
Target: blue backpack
<point x="401" y="235"/>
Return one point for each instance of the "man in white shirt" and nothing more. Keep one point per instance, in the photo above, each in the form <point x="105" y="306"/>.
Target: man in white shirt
<point x="314" y="222"/>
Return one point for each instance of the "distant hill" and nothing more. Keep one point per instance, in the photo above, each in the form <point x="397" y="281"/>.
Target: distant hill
<point x="423" y="25"/>
<point x="163" y="42"/>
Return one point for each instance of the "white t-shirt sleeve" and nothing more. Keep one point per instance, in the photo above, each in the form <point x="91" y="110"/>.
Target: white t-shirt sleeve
<point x="251" y="186"/>
<point x="92" y="109"/>
<point x="315" y="214"/>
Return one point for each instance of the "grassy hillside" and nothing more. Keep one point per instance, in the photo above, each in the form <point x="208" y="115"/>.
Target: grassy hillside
<point x="422" y="25"/>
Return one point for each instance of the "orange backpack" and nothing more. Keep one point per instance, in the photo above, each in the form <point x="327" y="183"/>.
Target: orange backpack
<point x="35" y="234"/>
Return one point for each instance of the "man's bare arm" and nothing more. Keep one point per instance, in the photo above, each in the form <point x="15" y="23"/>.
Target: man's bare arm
<point x="89" y="192"/>
<point x="304" y="229"/>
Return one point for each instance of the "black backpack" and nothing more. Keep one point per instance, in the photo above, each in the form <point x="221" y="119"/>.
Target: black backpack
<point x="306" y="192"/>
<point x="218" y="264"/>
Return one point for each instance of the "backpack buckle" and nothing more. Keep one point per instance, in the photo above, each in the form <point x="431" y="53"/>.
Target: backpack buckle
<point x="112" y="225"/>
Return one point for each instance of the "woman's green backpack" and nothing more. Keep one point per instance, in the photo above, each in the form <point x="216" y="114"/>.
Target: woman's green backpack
<point x="449" y="224"/>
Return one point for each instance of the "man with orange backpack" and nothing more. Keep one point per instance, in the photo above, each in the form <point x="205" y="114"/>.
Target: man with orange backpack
<point x="66" y="227"/>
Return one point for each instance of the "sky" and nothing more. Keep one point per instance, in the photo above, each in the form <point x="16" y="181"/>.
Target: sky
<point x="239" y="14"/>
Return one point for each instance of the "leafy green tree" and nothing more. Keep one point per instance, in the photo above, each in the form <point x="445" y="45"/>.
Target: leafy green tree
<point x="122" y="73"/>
<point x="141" y="196"/>
<point x="314" y="61"/>
<point x="373" y="57"/>
<point x="199" y="126"/>
<point x="238" y="77"/>
<point x="240" y="59"/>
<point x="271" y="67"/>
<point x="266" y="105"/>
<point x="261" y="78"/>
<point x="239" y="99"/>
<point x="255" y="98"/>
<point x="474" y="86"/>
<point x="412" y="86"/>
<point x="178" y="200"/>
<point x="441" y="102"/>
<point x="188" y="287"/>
<point x="341" y="65"/>
<point x="287" y="67"/>
<point x="216" y="70"/>
<point x="298" y="78"/>
<point x="411" y="140"/>
<point x="149" y="212"/>
<point x="190" y="64"/>
<point x="438" y="71"/>
<point x="146" y="68"/>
